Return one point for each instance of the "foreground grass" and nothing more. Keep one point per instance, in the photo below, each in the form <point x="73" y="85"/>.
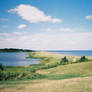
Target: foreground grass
<point x="66" y="85"/>
<point x="72" y="78"/>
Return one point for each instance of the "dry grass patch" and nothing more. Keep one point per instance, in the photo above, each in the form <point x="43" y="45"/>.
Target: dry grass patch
<point x="67" y="85"/>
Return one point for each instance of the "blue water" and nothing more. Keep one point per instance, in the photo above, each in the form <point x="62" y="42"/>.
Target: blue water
<point x="74" y="53"/>
<point x="16" y="59"/>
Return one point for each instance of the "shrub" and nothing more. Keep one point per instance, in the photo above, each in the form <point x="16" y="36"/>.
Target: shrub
<point x="5" y="75"/>
<point x="83" y="59"/>
<point x="1" y="67"/>
<point x="64" y="61"/>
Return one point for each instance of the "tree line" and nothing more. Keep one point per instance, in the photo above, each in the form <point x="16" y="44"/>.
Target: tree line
<point x="15" y="50"/>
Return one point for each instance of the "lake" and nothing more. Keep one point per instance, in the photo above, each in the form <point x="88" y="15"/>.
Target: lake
<point x="16" y="59"/>
<point x="74" y="52"/>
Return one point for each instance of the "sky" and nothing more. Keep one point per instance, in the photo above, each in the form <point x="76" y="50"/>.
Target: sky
<point x="46" y="24"/>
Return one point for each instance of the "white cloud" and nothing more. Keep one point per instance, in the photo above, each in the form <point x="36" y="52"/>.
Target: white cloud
<point x="21" y="26"/>
<point x="45" y="41"/>
<point x="4" y="34"/>
<point x="33" y="14"/>
<point x="47" y="29"/>
<point x="58" y="30"/>
<point x="66" y="29"/>
<point x="56" y="20"/>
<point x="89" y="17"/>
<point x="13" y="34"/>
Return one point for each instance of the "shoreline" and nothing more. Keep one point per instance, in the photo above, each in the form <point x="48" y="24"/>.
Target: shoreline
<point x="41" y="55"/>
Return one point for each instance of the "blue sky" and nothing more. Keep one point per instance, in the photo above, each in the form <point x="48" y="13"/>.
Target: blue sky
<point x="46" y="24"/>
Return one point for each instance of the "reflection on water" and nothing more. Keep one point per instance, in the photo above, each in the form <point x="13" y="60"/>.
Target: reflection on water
<point x="16" y="59"/>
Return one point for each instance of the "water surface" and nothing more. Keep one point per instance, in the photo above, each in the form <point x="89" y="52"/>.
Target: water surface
<point x="16" y="59"/>
<point x="74" y="52"/>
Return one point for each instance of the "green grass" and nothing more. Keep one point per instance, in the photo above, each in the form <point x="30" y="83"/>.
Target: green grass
<point x="68" y="71"/>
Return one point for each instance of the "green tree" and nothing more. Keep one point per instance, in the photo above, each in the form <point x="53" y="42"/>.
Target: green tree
<point x="1" y="67"/>
<point x="83" y="59"/>
<point x="64" y="61"/>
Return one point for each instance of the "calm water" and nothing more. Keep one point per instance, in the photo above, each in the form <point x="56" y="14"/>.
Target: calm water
<point x="16" y="59"/>
<point x="75" y="53"/>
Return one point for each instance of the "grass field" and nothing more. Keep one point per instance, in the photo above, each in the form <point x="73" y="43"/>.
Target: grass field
<point x="75" y="77"/>
<point x="66" y="85"/>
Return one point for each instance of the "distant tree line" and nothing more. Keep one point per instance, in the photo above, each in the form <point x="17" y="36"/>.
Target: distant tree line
<point x="15" y="50"/>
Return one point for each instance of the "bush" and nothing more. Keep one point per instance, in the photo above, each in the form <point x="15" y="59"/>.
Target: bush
<point x="64" y="61"/>
<point x="83" y="59"/>
<point x="4" y="75"/>
<point x="1" y="67"/>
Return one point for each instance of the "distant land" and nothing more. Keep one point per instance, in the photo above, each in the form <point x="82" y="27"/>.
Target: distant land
<point x="15" y="50"/>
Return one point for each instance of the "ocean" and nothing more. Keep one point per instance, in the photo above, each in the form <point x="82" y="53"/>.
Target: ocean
<point x="73" y="52"/>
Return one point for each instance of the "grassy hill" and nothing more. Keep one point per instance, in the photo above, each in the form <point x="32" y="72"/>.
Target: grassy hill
<point x="83" y="69"/>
